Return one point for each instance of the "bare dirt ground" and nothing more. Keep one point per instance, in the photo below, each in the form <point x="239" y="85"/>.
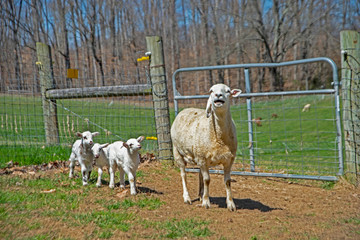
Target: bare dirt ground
<point x="267" y="208"/>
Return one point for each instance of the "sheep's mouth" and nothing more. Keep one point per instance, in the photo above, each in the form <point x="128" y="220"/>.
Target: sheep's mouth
<point x="219" y="102"/>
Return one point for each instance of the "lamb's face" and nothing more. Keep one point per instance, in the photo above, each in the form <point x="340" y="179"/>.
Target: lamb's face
<point x="87" y="138"/>
<point x="134" y="144"/>
<point x="97" y="148"/>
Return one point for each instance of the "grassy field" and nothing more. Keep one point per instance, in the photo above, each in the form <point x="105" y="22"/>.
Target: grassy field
<point x="26" y="206"/>
<point x="288" y="140"/>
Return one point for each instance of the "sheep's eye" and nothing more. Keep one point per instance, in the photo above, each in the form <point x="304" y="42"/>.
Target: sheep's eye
<point x="131" y="144"/>
<point x="85" y="137"/>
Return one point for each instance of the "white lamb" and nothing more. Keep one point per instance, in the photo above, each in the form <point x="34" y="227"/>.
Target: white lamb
<point x="207" y="138"/>
<point x="81" y="151"/>
<point x="125" y="156"/>
<point x="101" y="159"/>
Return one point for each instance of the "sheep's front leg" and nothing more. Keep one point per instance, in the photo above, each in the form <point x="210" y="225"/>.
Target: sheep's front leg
<point x="229" y="199"/>
<point x="112" y="170"/>
<point x="100" y="172"/>
<point x="201" y="186"/>
<point x="184" y="183"/>
<point x="84" y="173"/>
<point x="206" y="179"/>
<point x="131" y="181"/>
<point x="72" y="165"/>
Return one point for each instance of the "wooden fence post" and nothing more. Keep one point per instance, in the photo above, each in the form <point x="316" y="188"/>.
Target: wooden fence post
<point x="350" y="78"/>
<point x="160" y="96"/>
<point x="47" y="82"/>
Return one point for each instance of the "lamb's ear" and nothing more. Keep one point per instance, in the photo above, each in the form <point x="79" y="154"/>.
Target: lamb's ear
<point x="79" y="134"/>
<point x="95" y="134"/>
<point x="140" y="139"/>
<point x="235" y="92"/>
<point x="126" y="145"/>
<point x="104" y="145"/>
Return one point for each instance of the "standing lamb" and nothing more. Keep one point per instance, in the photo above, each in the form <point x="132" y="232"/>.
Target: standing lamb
<point x="81" y="151"/>
<point x="101" y="159"/>
<point x="207" y="138"/>
<point x="125" y="156"/>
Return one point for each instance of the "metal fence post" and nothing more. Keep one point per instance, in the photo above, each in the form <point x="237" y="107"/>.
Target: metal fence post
<point x="160" y="96"/>
<point x="47" y="82"/>
<point x="250" y="126"/>
<point x="350" y="75"/>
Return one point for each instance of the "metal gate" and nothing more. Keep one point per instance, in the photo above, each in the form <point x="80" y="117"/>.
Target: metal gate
<point x="307" y="146"/>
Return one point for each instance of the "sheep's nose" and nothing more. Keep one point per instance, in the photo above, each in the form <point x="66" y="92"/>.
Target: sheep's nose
<point x="91" y="142"/>
<point x="218" y="95"/>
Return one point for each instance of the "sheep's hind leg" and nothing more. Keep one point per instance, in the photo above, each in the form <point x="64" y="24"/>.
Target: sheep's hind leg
<point x="229" y="199"/>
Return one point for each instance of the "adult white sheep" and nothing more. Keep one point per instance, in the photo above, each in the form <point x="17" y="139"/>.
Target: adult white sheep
<point x="81" y="151"/>
<point x="125" y="156"/>
<point x="101" y="159"/>
<point x="207" y="138"/>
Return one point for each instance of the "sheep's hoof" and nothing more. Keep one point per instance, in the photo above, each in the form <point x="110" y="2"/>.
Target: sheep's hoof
<point x="231" y="206"/>
<point x="85" y="183"/>
<point x="98" y="185"/>
<point x="206" y="204"/>
<point x="187" y="200"/>
<point x="111" y="186"/>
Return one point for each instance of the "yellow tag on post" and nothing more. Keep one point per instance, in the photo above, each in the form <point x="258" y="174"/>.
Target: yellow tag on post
<point x="72" y="73"/>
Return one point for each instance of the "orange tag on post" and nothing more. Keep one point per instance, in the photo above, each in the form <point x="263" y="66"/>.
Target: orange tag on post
<point x="72" y="73"/>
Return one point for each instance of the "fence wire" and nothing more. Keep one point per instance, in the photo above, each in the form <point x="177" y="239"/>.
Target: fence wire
<point x="22" y="133"/>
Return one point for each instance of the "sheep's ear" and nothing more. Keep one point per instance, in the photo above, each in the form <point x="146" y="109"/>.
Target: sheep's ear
<point x="79" y="134"/>
<point x="140" y="139"/>
<point x="126" y="145"/>
<point x="235" y="92"/>
<point x="104" y="145"/>
<point x="208" y="108"/>
<point x="95" y="134"/>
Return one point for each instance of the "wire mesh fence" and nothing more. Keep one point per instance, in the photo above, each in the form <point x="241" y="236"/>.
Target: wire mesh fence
<point x="22" y="131"/>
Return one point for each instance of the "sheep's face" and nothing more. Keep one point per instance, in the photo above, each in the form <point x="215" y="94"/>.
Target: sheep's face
<point x="134" y="144"/>
<point x="87" y="138"/>
<point x="219" y="98"/>
<point x="97" y="148"/>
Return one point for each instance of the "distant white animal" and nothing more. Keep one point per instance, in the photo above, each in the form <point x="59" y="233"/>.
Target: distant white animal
<point x="125" y="156"/>
<point x="101" y="159"/>
<point x="207" y="138"/>
<point x="81" y="151"/>
<point x="306" y="107"/>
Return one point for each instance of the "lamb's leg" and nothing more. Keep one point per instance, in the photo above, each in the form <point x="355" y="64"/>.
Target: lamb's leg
<point x="131" y="181"/>
<point x="227" y="179"/>
<point x="72" y="165"/>
<point x="206" y="180"/>
<point x="112" y="170"/>
<point x="84" y="173"/>
<point x="122" y="178"/>
<point x="100" y="172"/>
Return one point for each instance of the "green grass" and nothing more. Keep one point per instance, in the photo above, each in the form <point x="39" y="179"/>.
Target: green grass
<point x="23" y="207"/>
<point x="295" y="142"/>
